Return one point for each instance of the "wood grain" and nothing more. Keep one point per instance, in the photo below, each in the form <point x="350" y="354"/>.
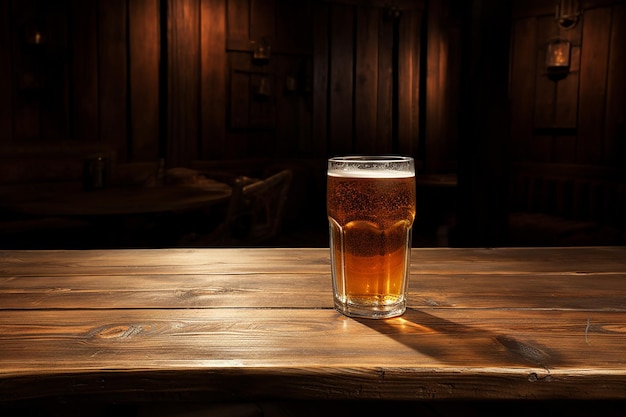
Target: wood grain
<point x="244" y="324"/>
<point x="341" y="93"/>
<point x="593" y="86"/>
<point x="183" y="94"/>
<point x="615" y="119"/>
<point x="84" y="70"/>
<point x="213" y="78"/>
<point x="112" y="76"/>
<point x="144" y="43"/>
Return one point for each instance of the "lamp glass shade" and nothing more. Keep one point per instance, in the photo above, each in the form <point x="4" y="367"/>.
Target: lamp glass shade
<point x="558" y="54"/>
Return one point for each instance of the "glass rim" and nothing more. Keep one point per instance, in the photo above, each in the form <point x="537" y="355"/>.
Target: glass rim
<point x="371" y="158"/>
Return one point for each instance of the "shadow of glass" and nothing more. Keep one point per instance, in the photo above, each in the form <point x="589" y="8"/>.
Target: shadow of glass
<point x="457" y="344"/>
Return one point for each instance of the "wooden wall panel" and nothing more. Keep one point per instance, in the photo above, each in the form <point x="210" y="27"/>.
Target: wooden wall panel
<point x="366" y="78"/>
<point x="572" y="120"/>
<point x="238" y="26"/>
<point x="545" y="93"/>
<point x="293" y="109"/>
<point x="615" y="118"/>
<point x="545" y="87"/>
<point x="262" y="13"/>
<point x="556" y="98"/>
<point x="287" y="110"/>
<point x="294" y="41"/>
<point x="84" y="70"/>
<point x="341" y="79"/>
<point x="144" y="44"/>
<point x="384" y="111"/>
<point x="294" y="26"/>
<point x="409" y="88"/>
<point x="112" y="76"/>
<point x="566" y="101"/>
<point x="27" y="64"/>
<point x="566" y="114"/>
<point x="6" y="74"/>
<point x="437" y="98"/>
<point x="321" y="82"/>
<point x="593" y="85"/>
<point x="240" y="91"/>
<point x="213" y="81"/>
<point x="374" y="65"/>
<point x="54" y="113"/>
<point x="308" y="144"/>
<point x="239" y="110"/>
<point x="183" y="92"/>
<point x="523" y="81"/>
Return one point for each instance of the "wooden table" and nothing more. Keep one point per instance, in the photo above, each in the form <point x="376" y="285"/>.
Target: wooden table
<point x="69" y="199"/>
<point x="247" y="324"/>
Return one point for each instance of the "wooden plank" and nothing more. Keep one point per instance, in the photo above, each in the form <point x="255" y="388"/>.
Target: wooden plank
<point x="545" y="87"/>
<point x="240" y="90"/>
<point x="84" y="70"/>
<point x="144" y="44"/>
<point x="384" y="111"/>
<point x="294" y="27"/>
<point x="341" y="80"/>
<point x="28" y="74"/>
<point x="366" y="78"/>
<point x="307" y="143"/>
<point x="55" y="106"/>
<point x="286" y="108"/>
<point x="523" y="80"/>
<point x="238" y="25"/>
<point x="510" y="291"/>
<point x="527" y="8"/>
<point x="213" y="78"/>
<point x="593" y="86"/>
<point x="183" y="82"/>
<point x="615" y="120"/>
<point x="437" y="261"/>
<point x="262" y="103"/>
<point x="409" y="82"/>
<point x="436" y="94"/>
<point x="112" y="76"/>
<point x="6" y="74"/>
<point x="299" y="354"/>
<point x="558" y="342"/>
<point x="320" y="83"/>
<point x="262" y="24"/>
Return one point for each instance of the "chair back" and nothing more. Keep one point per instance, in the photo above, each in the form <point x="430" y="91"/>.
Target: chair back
<point x="256" y="208"/>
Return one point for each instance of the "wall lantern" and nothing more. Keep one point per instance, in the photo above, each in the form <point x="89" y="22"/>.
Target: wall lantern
<point x="261" y="50"/>
<point x="558" y="52"/>
<point x="567" y="13"/>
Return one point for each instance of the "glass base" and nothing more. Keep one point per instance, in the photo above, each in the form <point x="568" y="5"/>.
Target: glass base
<point x="370" y="311"/>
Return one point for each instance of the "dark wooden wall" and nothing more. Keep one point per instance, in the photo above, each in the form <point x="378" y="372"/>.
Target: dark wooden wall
<point x="580" y="119"/>
<point x="460" y="85"/>
<point x="176" y="79"/>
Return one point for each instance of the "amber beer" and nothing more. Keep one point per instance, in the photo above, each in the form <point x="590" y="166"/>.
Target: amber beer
<point x="371" y="209"/>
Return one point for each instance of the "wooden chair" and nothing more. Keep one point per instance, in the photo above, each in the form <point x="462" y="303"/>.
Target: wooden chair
<point x="254" y="214"/>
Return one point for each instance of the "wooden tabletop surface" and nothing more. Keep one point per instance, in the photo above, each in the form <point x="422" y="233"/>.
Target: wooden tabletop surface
<point x="241" y="324"/>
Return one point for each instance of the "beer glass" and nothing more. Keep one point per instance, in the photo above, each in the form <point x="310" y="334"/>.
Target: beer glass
<point x="371" y="209"/>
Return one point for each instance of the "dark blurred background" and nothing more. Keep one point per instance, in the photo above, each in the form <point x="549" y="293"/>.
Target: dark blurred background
<point x="514" y="111"/>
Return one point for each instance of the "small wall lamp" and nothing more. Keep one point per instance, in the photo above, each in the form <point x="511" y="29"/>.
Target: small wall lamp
<point x="261" y="50"/>
<point x="558" y="52"/>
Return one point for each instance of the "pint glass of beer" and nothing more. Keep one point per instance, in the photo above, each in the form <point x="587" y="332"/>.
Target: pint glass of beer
<point x="371" y="209"/>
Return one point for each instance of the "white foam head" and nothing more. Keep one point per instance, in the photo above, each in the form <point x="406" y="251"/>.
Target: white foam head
<point x="369" y="173"/>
